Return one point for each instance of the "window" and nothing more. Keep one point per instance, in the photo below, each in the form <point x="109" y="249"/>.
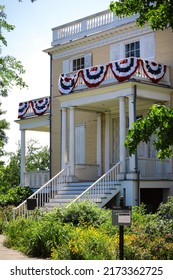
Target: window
<point x="78" y="63"/>
<point x="132" y="49"/>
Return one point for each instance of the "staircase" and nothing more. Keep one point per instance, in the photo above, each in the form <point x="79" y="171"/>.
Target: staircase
<point x="67" y="195"/>
<point x="59" y="192"/>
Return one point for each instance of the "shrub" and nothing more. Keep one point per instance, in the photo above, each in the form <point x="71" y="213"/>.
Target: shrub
<point x="88" y="244"/>
<point x="14" y="196"/>
<point x="83" y="213"/>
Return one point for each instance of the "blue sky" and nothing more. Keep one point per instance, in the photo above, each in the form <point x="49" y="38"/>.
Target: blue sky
<point x="33" y="22"/>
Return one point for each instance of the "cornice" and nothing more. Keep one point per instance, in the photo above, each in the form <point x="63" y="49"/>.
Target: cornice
<point x="105" y="38"/>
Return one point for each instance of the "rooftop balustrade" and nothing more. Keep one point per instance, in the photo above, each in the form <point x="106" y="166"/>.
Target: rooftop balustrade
<point x="87" y="26"/>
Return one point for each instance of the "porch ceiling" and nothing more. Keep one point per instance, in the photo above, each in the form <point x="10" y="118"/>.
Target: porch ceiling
<point x="113" y="106"/>
<point x="107" y="98"/>
<point x="39" y="123"/>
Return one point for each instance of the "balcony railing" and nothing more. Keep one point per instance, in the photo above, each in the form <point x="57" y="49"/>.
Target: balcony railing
<point x="87" y="26"/>
<point x="114" y="72"/>
<point x="35" y="107"/>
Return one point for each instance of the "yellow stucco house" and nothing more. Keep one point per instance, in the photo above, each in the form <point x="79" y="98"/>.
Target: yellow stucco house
<point x="105" y="73"/>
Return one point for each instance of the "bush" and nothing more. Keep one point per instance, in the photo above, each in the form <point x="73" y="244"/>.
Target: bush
<point x="83" y="213"/>
<point x="14" y="196"/>
<point x="88" y="244"/>
<point x="83" y="231"/>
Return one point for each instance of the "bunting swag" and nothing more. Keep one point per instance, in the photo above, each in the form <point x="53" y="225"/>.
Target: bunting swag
<point x="94" y="76"/>
<point x="155" y="72"/>
<point x="40" y="106"/>
<point x="23" y="108"/>
<point x="67" y="83"/>
<point x="124" y="69"/>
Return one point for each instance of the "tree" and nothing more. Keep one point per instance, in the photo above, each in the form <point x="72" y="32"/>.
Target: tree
<point x="11" y="69"/>
<point x="158" y="13"/>
<point x="158" y="122"/>
<point x="37" y="158"/>
<point x="11" y="74"/>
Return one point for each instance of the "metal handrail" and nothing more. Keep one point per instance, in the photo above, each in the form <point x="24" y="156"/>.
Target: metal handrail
<point x="102" y="186"/>
<point x="42" y="195"/>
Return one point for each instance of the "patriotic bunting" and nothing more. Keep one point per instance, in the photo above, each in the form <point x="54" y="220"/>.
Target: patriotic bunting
<point x="23" y="108"/>
<point x="124" y="69"/>
<point x="155" y="72"/>
<point x="94" y="76"/>
<point x="40" y="106"/>
<point x="67" y="82"/>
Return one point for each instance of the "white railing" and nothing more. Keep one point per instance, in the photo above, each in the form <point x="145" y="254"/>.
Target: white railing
<point x="87" y="26"/>
<point x="154" y="168"/>
<point x="138" y="75"/>
<point x="36" y="179"/>
<point x="47" y="191"/>
<point x="102" y="186"/>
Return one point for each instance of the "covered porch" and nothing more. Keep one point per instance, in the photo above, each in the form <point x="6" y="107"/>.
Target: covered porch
<point x="94" y="127"/>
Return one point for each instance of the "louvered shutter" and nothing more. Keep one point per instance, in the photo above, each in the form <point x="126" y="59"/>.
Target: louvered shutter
<point x="66" y="66"/>
<point x="88" y="60"/>
<point x="115" y="52"/>
<point x="147" y="47"/>
<point x="80" y="144"/>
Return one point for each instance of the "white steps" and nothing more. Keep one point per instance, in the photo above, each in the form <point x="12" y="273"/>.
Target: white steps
<point x="67" y="195"/>
<point x="72" y="190"/>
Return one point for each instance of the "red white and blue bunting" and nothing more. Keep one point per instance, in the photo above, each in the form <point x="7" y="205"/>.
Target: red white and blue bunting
<point x="39" y="107"/>
<point x="122" y="70"/>
<point x="23" y="108"/>
<point x="67" y="82"/>
<point x="94" y="76"/>
<point x="155" y="72"/>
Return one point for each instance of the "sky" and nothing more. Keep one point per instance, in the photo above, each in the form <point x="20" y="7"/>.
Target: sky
<point x="33" y="34"/>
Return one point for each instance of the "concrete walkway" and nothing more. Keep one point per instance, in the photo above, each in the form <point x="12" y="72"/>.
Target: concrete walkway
<point x="10" y="254"/>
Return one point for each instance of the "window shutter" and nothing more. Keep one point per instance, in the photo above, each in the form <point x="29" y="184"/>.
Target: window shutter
<point x="115" y="52"/>
<point x="80" y="144"/>
<point x="66" y="66"/>
<point x="147" y="46"/>
<point x="88" y="60"/>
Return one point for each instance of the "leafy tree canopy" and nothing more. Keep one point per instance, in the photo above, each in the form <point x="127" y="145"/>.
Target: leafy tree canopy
<point x="158" y="122"/>
<point x="158" y="13"/>
<point x="37" y="158"/>
<point x="11" y="69"/>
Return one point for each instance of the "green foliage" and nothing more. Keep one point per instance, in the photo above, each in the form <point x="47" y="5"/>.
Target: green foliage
<point x="5" y="216"/>
<point x="59" y="235"/>
<point x="3" y="138"/>
<point x="11" y="69"/>
<point x="157" y="13"/>
<point x="37" y="158"/>
<point x="11" y="74"/>
<point x="83" y="213"/>
<point x="14" y="196"/>
<point x="158" y="122"/>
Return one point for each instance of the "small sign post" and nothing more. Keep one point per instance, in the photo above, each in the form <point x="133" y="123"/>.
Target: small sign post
<point x="121" y="216"/>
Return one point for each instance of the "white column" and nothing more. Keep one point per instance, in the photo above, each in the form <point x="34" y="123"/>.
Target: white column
<point x="131" y="120"/>
<point x="122" y="118"/>
<point x="22" y="159"/>
<point x="107" y="141"/>
<point x="99" y="156"/>
<point x="71" y="143"/>
<point x="63" y="138"/>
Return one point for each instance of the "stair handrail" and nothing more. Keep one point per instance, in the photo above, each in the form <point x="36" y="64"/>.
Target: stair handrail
<point x="44" y="193"/>
<point x="99" y="188"/>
